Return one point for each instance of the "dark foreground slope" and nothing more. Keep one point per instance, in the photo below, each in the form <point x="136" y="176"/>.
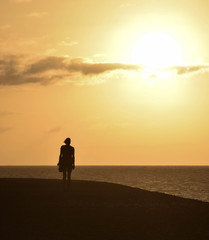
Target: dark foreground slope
<point x="38" y="209"/>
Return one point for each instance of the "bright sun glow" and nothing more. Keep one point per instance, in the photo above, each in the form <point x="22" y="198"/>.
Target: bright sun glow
<point x="156" y="50"/>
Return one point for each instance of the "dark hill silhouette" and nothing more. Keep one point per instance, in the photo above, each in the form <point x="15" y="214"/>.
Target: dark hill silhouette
<point x="38" y="209"/>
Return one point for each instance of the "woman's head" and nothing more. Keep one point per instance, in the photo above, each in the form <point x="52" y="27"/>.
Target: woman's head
<point x="67" y="141"/>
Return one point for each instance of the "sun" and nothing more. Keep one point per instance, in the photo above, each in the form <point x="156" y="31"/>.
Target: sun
<point x="156" y="50"/>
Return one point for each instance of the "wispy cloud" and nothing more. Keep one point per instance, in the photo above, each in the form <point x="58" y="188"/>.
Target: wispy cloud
<point x="37" y="14"/>
<point x="55" y="130"/>
<point x="67" y="43"/>
<point x="50" y="51"/>
<point x="98" y="55"/>
<point x="188" y="68"/>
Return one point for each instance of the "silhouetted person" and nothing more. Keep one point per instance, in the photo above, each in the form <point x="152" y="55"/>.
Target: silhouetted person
<point x="67" y="160"/>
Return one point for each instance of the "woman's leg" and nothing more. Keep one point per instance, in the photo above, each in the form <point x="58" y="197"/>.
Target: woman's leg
<point x="64" y="174"/>
<point x="69" y="170"/>
<point x="64" y="179"/>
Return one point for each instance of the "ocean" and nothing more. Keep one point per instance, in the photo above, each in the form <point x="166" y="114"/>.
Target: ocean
<point x="184" y="181"/>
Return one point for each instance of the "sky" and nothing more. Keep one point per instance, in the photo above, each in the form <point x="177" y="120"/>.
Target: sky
<point x="127" y="81"/>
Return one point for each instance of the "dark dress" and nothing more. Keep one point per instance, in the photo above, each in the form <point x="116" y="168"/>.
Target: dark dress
<point x="67" y="157"/>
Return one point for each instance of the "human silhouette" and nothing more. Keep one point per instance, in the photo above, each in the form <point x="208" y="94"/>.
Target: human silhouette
<point x="66" y="160"/>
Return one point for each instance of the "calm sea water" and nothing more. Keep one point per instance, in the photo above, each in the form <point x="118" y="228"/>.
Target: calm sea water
<point x="189" y="182"/>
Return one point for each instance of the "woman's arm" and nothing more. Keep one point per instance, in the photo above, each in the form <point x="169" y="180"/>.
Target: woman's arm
<point x="73" y="158"/>
<point x="60" y="157"/>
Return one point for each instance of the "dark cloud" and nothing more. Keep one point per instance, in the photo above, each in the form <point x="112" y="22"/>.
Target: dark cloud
<point x="187" y="69"/>
<point x="97" y="68"/>
<point x="10" y="73"/>
<point x="76" y="65"/>
<point x="49" y="63"/>
<point x="13" y="73"/>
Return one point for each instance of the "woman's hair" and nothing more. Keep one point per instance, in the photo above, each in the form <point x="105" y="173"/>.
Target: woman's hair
<point x="67" y="141"/>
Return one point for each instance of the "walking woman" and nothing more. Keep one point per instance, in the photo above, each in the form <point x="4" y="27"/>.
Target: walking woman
<point x="66" y="160"/>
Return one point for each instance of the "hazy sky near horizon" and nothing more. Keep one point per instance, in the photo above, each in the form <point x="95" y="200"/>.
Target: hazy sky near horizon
<point x="128" y="81"/>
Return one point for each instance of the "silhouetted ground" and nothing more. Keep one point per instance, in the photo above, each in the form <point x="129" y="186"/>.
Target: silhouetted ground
<point x="38" y="209"/>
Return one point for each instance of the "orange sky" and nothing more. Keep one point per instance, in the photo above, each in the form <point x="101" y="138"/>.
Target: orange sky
<point x="128" y="81"/>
